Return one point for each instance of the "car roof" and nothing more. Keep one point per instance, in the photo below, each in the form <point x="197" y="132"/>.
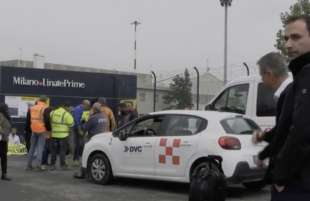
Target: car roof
<point x="245" y="78"/>
<point x="209" y="115"/>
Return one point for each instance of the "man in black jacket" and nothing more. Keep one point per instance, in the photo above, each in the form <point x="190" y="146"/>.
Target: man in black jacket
<point x="291" y="176"/>
<point x="274" y="72"/>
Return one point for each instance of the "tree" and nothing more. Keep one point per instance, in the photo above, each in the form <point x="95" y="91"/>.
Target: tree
<point x="180" y="95"/>
<point x="300" y="7"/>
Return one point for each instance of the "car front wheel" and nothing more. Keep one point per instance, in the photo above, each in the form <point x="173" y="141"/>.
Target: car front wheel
<point x="99" y="169"/>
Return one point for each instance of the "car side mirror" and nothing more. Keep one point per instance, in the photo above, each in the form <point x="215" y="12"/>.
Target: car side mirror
<point x="122" y="135"/>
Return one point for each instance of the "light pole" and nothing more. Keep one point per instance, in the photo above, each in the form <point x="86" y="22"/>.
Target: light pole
<point x="135" y="23"/>
<point x="197" y="98"/>
<point x="247" y="68"/>
<point x="225" y="4"/>
<point x="154" y="91"/>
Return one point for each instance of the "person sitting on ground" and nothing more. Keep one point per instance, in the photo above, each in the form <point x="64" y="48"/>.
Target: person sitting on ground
<point x="13" y="137"/>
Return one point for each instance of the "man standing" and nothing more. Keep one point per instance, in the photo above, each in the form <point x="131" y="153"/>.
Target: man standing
<point x="274" y="72"/>
<point x="108" y="112"/>
<point x="126" y="115"/>
<point x="291" y="176"/>
<point x="77" y="135"/>
<point x="97" y="123"/>
<point x="39" y="132"/>
<point x="61" y="122"/>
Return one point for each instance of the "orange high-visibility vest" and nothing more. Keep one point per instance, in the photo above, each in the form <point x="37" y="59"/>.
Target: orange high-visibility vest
<point x="36" y="116"/>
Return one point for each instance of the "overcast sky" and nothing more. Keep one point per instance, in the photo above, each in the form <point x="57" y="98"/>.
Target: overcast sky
<point x="173" y="35"/>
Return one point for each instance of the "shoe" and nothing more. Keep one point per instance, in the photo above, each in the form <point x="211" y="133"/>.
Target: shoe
<point x="76" y="163"/>
<point x="4" y="177"/>
<point x="41" y="168"/>
<point x="29" y="168"/>
<point x="65" y="167"/>
<point x="77" y="175"/>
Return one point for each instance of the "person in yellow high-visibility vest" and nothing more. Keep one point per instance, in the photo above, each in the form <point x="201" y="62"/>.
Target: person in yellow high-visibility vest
<point x="61" y="123"/>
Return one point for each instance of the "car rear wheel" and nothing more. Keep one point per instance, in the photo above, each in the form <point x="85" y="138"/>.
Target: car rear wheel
<point x="99" y="169"/>
<point x="207" y="183"/>
<point x="255" y="186"/>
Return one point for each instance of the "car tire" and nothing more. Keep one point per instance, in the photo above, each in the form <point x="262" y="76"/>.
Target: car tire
<point x="207" y="183"/>
<point x="99" y="169"/>
<point x="255" y="186"/>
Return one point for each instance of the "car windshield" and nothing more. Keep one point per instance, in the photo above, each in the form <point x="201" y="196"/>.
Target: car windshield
<point x="239" y="125"/>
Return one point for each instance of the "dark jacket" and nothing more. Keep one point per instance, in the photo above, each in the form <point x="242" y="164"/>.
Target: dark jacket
<point x="5" y="127"/>
<point x="126" y="117"/>
<point x="97" y="123"/>
<point x="269" y="136"/>
<point x="292" y="164"/>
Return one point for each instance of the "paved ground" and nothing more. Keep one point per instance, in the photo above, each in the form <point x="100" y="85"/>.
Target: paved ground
<point x="60" y="186"/>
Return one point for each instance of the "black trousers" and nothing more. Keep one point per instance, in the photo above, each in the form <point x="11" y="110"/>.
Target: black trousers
<point x="78" y="144"/>
<point x="59" y="145"/>
<point x="294" y="192"/>
<point x="3" y="155"/>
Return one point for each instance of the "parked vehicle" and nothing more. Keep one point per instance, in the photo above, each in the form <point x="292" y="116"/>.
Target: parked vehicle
<point x="171" y="145"/>
<point x="247" y="96"/>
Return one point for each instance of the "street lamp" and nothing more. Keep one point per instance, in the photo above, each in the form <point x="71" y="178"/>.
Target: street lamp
<point x="135" y="23"/>
<point x="197" y="85"/>
<point x="154" y="91"/>
<point x="226" y="4"/>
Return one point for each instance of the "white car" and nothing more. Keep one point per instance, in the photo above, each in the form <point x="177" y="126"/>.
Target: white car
<point x="171" y="145"/>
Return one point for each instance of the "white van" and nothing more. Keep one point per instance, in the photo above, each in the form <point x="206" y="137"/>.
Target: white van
<point x="247" y="96"/>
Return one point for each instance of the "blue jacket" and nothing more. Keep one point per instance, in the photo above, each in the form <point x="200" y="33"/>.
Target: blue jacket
<point x="77" y="115"/>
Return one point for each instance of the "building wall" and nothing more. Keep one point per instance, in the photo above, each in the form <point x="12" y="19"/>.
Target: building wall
<point x="209" y="85"/>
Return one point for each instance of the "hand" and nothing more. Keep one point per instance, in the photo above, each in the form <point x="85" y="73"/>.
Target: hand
<point x="279" y="189"/>
<point x="257" y="136"/>
<point x="259" y="163"/>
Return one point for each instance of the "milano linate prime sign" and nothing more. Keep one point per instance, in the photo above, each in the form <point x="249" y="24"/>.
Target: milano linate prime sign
<point x="45" y="82"/>
<point x="30" y="81"/>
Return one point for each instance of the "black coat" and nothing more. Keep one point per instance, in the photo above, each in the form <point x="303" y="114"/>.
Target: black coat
<point x="292" y="164"/>
<point x="269" y="136"/>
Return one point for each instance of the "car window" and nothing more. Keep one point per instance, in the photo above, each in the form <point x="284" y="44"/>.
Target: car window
<point x="233" y="99"/>
<point x="266" y="104"/>
<point x="182" y="125"/>
<point x="147" y="127"/>
<point x="239" y="125"/>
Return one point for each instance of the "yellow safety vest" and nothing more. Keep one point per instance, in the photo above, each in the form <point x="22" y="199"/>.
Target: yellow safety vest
<point x="61" y="121"/>
<point x="85" y="116"/>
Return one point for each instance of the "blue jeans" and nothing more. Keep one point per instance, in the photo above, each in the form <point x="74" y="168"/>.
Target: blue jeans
<point x="46" y="152"/>
<point x="37" y="143"/>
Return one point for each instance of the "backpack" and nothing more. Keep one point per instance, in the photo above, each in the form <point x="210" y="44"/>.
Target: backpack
<point x="208" y="183"/>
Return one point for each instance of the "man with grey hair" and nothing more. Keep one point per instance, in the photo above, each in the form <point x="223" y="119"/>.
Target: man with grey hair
<point x="97" y="123"/>
<point x="274" y="73"/>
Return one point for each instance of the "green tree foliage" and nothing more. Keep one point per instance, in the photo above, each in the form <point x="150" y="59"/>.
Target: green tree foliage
<point x="180" y="95"/>
<point x="300" y="7"/>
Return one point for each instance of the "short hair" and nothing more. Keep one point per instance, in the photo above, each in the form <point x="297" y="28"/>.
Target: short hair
<point x="96" y="107"/>
<point x="102" y="100"/>
<point x="122" y="105"/>
<point x="86" y="102"/>
<point x="43" y="98"/>
<point x="274" y="62"/>
<point x="305" y="18"/>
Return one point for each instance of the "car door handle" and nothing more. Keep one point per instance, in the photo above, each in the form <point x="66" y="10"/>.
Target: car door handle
<point x="147" y="144"/>
<point x="185" y="144"/>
